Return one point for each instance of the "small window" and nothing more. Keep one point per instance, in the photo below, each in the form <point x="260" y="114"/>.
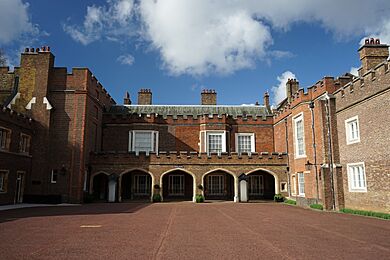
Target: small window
<point x="215" y="141"/>
<point x="283" y="186"/>
<point x="24" y="145"/>
<point x="352" y="130"/>
<point x="3" y="181"/>
<point x="143" y="141"/>
<point x="299" y="136"/>
<point x="256" y="185"/>
<point x="54" y="176"/>
<point x="215" y="184"/>
<point x="294" y="185"/>
<point x="5" y="138"/>
<point x="142" y="184"/>
<point x="357" y="177"/>
<point x="245" y="142"/>
<point x="301" y="184"/>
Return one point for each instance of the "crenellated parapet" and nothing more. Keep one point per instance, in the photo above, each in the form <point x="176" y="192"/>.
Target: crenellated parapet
<point x="186" y="157"/>
<point x="370" y="83"/>
<point x="14" y="117"/>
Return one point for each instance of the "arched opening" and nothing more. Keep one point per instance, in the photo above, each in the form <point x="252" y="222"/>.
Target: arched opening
<point x="100" y="187"/>
<point x="136" y="185"/>
<point x="261" y="185"/>
<point x="177" y="185"/>
<point x="218" y="185"/>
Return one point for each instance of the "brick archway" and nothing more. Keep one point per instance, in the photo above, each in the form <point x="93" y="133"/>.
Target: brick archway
<point x="135" y="184"/>
<point x="265" y="180"/>
<point x="220" y="184"/>
<point x="171" y="178"/>
<point x="99" y="185"/>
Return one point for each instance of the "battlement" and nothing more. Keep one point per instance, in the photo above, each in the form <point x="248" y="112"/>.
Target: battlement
<point x="185" y="157"/>
<point x="15" y="117"/>
<point x="373" y="81"/>
<point x="186" y="119"/>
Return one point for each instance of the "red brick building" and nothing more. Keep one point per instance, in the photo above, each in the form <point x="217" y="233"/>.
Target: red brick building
<point x="84" y="145"/>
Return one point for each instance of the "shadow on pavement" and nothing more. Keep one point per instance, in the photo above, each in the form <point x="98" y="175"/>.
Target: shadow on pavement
<point x="85" y="209"/>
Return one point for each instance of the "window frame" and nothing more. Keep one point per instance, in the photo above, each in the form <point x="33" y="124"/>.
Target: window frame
<point x="7" y="140"/>
<point x="348" y="132"/>
<point x="211" y="184"/>
<point x="171" y="184"/>
<point x="252" y="138"/>
<point x="251" y="185"/>
<point x="53" y="172"/>
<point x="137" y="187"/>
<point x="21" y="146"/>
<point x="215" y="132"/>
<point x="351" y="180"/>
<point x="300" y="193"/>
<point x="4" y="181"/>
<point x="154" y="140"/>
<point x="296" y="119"/>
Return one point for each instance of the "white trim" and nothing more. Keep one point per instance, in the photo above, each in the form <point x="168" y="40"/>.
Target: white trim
<point x="350" y="177"/>
<point x="252" y="136"/>
<point x="216" y="132"/>
<point x="296" y="148"/>
<point x="52" y="175"/>
<point x="13" y="101"/>
<point x="153" y="140"/>
<point x="285" y="185"/>
<point x="48" y="105"/>
<point x="348" y="123"/>
<point x="300" y="193"/>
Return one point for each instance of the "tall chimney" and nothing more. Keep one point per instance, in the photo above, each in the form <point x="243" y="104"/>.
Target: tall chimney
<point x="371" y="54"/>
<point x="209" y="97"/>
<point x="266" y="101"/>
<point x="292" y="87"/>
<point x="126" y="99"/>
<point x="144" y="97"/>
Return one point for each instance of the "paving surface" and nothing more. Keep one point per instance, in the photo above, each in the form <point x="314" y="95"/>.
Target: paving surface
<point x="189" y="231"/>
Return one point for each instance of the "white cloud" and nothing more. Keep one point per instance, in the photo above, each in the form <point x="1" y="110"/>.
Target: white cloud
<point x="112" y="22"/>
<point x="126" y="59"/>
<point x="279" y="91"/>
<point x="200" y="37"/>
<point x="354" y="71"/>
<point x="15" y="23"/>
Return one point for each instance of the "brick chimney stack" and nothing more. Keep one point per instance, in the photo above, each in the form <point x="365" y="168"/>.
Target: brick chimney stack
<point x="126" y="99"/>
<point x="371" y="54"/>
<point x="144" y="97"/>
<point x="292" y="87"/>
<point x="266" y="101"/>
<point x="209" y="97"/>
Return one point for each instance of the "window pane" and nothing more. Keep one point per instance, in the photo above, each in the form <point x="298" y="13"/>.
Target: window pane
<point x="215" y="143"/>
<point x="143" y="141"/>
<point x="244" y="144"/>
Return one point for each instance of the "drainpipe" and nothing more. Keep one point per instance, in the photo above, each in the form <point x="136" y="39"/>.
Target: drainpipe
<point x="330" y="155"/>
<point x="311" y="106"/>
<point x="288" y="160"/>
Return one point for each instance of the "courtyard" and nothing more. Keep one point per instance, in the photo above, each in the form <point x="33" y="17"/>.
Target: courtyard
<point x="185" y="230"/>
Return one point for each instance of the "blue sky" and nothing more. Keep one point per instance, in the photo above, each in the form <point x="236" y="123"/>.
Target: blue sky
<point x="239" y="48"/>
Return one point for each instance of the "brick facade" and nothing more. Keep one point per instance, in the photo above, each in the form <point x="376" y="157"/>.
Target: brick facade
<point x="89" y="142"/>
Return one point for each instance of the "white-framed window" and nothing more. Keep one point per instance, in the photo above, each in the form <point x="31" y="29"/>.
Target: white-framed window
<point x="3" y="181"/>
<point x="215" y="184"/>
<point x="294" y="185"/>
<point x="176" y="185"/>
<point x="54" y="176"/>
<point x="352" y="130"/>
<point x="5" y="138"/>
<point x="256" y="185"/>
<point x="143" y="141"/>
<point x="142" y="184"/>
<point x="24" y="144"/>
<point x="301" y="184"/>
<point x="357" y="177"/>
<point x="213" y="141"/>
<point x="245" y="142"/>
<point x="299" y="136"/>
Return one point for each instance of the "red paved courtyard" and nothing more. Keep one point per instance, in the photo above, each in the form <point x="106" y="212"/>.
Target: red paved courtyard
<point x="190" y="231"/>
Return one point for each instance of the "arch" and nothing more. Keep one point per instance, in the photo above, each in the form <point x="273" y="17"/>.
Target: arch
<point x="99" y="190"/>
<point x="230" y="185"/>
<point x="275" y="176"/>
<point x="131" y="192"/>
<point x="185" y="171"/>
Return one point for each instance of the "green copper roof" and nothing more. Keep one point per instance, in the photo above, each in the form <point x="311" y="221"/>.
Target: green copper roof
<point x="188" y="110"/>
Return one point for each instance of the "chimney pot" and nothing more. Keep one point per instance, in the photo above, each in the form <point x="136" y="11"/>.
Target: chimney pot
<point x="372" y="53"/>
<point x="209" y="97"/>
<point x="26" y="50"/>
<point x="31" y="49"/>
<point x="145" y="97"/>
